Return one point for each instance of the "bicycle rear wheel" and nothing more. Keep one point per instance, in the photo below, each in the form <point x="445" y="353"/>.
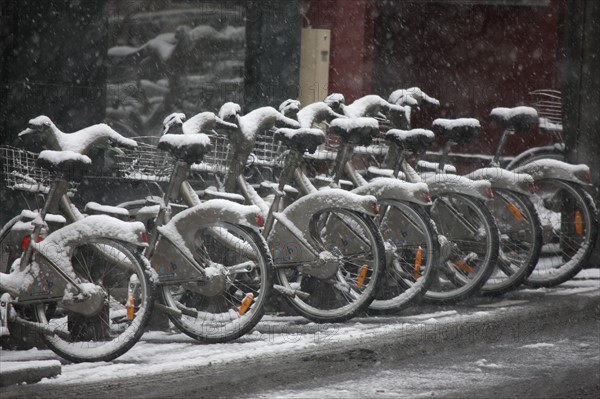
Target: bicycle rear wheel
<point x="125" y="278"/>
<point x="232" y="304"/>
<point x="412" y="241"/>
<point x="355" y="242"/>
<point x="569" y="227"/>
<point x="520" y="241"/>
<point x="469" y="226"/>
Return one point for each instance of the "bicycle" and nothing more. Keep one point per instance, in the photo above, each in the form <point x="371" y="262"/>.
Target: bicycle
<point x="458" y="210"/>
<point x="567" y="212"/>
<point x="411" y="240"/>
<point x="85" y="284"/>
<point x="328" y="254"/>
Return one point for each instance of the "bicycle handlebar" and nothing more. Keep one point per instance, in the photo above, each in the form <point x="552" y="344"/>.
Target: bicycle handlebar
<point x="80" y="142"/>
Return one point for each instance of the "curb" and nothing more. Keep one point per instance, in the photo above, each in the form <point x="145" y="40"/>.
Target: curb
<point x="13" y="373"/>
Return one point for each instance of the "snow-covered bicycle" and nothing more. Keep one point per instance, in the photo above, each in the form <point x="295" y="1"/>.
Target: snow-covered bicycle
<point x="84" y="287"/>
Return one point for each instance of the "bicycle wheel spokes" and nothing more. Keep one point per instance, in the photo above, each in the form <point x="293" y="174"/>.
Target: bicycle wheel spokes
<point x="520" y="241"/>
<point x="413" y="247"/>
<point x="470" y="227"/>
<point x="352" y="258"/>
<point x="569" y="228"/>
<point x="118" y="321"/>
<point x="232" y="302"/>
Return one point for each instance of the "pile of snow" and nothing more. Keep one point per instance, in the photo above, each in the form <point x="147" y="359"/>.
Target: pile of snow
<point x="59" y="157"/>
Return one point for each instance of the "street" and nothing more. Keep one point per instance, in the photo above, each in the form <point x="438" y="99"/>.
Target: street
<point x="530" y="343"/>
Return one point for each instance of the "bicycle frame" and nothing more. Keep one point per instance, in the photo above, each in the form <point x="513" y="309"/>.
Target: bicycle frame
<point x="54" y="276"/>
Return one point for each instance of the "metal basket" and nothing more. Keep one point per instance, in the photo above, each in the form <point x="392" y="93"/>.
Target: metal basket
<point x="216" y="161"/>
<point x="548" y="104"/>
<point x="267" y="151"/>
<point x="21" y="173"/>
<point x="145" y="162"/>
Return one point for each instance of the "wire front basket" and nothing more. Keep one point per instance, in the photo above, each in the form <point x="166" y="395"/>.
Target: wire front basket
<point x="216" y="161"/>
<point x="268" y="152"/>
<point x="20" y="171"/>
<point x="145" y="162"/>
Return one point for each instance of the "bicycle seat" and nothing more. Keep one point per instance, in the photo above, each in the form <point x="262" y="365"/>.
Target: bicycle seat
<point x="519" y="119"/>
<point x="71" y="163"/>
<point x="357" y="131"/>
<point x="415" y="140"/>
<point x="461" y="130"/>
<point x="190" y="148"/>
<point x="300" y="139"/>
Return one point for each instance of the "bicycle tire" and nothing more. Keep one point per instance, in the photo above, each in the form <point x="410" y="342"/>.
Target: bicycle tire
<point x="458" y="281"/>
<point x="563" y="255"/>
<point x="339" y="298"/>
<point x="112" y="332"/>
<point x="221" y="317"/>
<point x="520" y="241"/>
<point x="409" y="230"/>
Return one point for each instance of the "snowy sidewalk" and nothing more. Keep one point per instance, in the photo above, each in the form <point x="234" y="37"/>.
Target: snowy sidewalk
<point x="426" y="328"/>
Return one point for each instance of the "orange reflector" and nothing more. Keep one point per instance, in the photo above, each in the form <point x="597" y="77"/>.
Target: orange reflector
<point x="362" y="275"/>
<point x="418" y="263"/>
<point x="578" y="223"/>
<point x="490" y="192"/>
<point x="246" y="302"/>
<point x="130" y="308"/>
<point x="144" y="237"/>
<point x="463" y="266"/>
<point x="515" y="212"/>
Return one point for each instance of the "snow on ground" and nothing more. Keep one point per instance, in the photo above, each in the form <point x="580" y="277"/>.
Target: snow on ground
<point x="277" y="336"/>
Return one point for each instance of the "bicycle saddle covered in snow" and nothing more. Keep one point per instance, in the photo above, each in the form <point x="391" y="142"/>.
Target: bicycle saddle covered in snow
<point x="190" y="148"/>
<point x="357" y="131"/>
<point x="300" y="139"/>
<point x="415" y="141"/>
<point x="71" y="163"/>
<point x="519" y="119"/>
<point x="460" y="131"/>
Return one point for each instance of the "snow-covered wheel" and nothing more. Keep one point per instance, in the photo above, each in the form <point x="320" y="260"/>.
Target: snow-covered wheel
<point x="470" y="227"/>
<point x="411" y="238"/>
<point x="125" y="278"/>
<point x="355" y="246"/>
<point x="520" y="241"/>
<point x="569" y="228"/>
<point x="231" y="305"/>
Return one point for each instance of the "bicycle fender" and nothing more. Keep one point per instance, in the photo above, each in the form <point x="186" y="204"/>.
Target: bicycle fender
<point x="387" y="188"/>
<point x="504" y="179"/>
<point x="445" y="183"/>
<point x="558" y="148"/>
<point x="554" y="169"/>
<point x="287" y="247"/>
<point x="44" y="282"/>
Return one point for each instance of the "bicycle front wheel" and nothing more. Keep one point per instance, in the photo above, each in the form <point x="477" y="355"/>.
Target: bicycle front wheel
<point x="128" y="289"/>
<point x="413" y="255"/>
<point x="354" y="245"/>
<point x="469" y="226"/>
<point x="569" y="227"/>
<point x="231" y="304"/>
<point x="520" y="241"/>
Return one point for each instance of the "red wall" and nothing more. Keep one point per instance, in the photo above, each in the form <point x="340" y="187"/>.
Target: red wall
<point x="351" y="24"/>
<point x="471" y="57"/>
